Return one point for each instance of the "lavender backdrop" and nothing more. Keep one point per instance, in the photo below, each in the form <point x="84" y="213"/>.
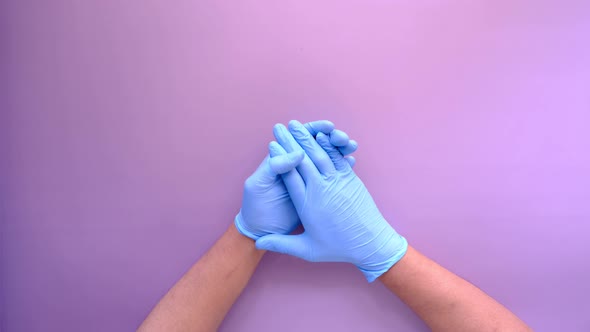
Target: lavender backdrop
<point x="128" y="127"/>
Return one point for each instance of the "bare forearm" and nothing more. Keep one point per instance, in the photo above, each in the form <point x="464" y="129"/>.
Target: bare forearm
<point x="201" y="298"/>
<point x="445" y="301"/>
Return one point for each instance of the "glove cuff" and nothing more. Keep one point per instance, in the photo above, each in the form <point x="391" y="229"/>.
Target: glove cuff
<point x="376" y="271"/>
<point x="239" y="222"/>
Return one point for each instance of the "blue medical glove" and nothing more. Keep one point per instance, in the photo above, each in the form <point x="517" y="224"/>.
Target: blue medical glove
<point x="341" y="221"/>
<point x="266" y="204"/>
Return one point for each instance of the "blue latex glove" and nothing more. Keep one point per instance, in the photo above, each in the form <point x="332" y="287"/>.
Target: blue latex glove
<point x="266" y="204"/>
<point x="341" y="221"/>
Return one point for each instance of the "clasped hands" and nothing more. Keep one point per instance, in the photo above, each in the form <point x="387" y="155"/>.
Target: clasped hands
<point x="307" y="179"/>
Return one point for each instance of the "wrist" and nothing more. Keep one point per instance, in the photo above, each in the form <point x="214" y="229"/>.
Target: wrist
<point x="244" y="242"/>
<point x="396" y="272"/>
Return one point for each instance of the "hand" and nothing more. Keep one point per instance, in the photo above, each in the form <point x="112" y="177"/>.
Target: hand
<point x="341" y="221"/>
<point x="266" y="205"/>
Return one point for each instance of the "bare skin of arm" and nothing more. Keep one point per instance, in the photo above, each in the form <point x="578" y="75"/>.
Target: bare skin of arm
<point x="445" y="301"/>
<point x="202" y="297"/>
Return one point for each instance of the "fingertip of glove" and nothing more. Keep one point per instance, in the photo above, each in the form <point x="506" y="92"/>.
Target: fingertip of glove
<point x="298" y="156"/>
<point x="275" y="149"/>
<point x="294" y="158"/>
<point x="321" y="126"/>
<point x="323" y="139"/>
<point x="294" y="123"/>
<point x="261" y="244"/>
<point x="278" y="128"/>
<point x="328" y="123"/>
<point x="339" y="138"/>
<point x="351" y="160"/>
<point x="281" y="164"/>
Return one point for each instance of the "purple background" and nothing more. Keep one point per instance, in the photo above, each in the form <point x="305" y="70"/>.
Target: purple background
<point x="128" y="128"/>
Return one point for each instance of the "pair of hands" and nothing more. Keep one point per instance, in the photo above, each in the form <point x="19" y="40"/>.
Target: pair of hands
<point x="307" y="178"/>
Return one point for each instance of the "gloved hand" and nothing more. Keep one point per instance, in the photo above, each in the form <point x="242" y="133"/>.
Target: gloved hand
<point x="266" y="204"/>
<point x="341" y="221"/>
